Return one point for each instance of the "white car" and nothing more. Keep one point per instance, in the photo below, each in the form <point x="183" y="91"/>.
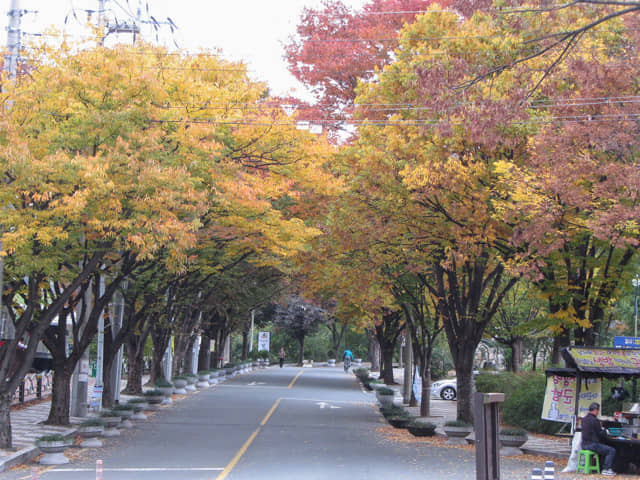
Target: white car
<point x="444" y="389"/>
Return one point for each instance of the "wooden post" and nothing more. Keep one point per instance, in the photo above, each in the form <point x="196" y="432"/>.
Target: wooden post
<point x="487" y="426"/>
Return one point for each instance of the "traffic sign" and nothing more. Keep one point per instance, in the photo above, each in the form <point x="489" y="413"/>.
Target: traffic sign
<point x="626" y="342"/>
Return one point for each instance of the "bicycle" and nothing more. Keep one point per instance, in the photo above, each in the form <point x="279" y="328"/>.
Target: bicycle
<point x="347" y="364"/>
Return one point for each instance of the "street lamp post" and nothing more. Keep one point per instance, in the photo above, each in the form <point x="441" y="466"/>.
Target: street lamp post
<point x="636" y="283"/>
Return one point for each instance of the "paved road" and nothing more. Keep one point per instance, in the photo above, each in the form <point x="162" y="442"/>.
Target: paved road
<point x="288" y="423"/>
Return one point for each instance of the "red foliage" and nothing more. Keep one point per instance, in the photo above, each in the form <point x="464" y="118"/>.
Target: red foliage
<point x="337" y="46"/>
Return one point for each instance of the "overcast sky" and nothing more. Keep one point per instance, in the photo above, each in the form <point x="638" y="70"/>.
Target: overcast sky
<point x="249" y="30"/>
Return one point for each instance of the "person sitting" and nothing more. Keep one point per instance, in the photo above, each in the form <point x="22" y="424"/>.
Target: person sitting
<point x="592" y="437"/>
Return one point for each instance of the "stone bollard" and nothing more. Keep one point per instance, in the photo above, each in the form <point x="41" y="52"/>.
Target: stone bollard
<point x="549" y="471"/>
<point x="536" y="474"/>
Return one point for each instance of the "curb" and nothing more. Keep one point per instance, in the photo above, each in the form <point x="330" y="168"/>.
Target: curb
<point x="26" y="454"/>
<point x="21" y="456"/>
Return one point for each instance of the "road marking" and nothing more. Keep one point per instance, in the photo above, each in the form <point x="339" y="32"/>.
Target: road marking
<point x="44" y="470"/>
<point x="295" y="378"/>
<point x="141" y="469"/>
<point x="325" y="405"/>
<point x="248" y="443"/>
<point x="256" y="383"/>
<point x="273" y="409"/>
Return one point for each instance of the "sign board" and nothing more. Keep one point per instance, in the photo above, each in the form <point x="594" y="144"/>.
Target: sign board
<point x="96" y="397"/>
<point x="263" y="341"/>
<point x="606" y="360"/>
<point x="417" y="385"/>
<point x="626" y="342"/>
<point x="560" y="397"/>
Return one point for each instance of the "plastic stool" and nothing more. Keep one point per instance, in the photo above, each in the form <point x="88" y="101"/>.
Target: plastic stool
<point x="586" y="463"/>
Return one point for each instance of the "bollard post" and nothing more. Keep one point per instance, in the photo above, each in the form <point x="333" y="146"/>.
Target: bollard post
<point x="549" y="471"/>
<point x="487" y="423"/>
<point x="98" y="469"/>
<point x="536" y="474"/>
<point x="34" y="473"/>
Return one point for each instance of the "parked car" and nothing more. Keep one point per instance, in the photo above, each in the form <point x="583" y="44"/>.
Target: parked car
<point x="444" y="389"/>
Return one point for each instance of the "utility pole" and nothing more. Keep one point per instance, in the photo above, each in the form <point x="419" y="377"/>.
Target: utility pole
<point x="11" y="67"/>
<point x="251" y="338"/>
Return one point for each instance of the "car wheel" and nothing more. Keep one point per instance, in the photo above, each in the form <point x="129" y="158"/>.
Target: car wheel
<point x="448" y="393"/>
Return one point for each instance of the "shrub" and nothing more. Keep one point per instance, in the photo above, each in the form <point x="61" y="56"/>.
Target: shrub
<point x="52" y="438"/>
<point x="204" y="372"/>
<point x="162" y="383"/>
<point x="524" y="396"/>
<point x="456" y="423"/>
<point x="109" y="414"/>
<point x="120" y="408"/>
<point x="361" y="373"/>
<point x="423" y="424"/>
<point x="92" y="422"/>
<point x="133" y="401"/>
<point x="513" y="431"/>
<point x="153" y="393"/>
<point x="392" y="411"/>
<point x="385" y="391"/>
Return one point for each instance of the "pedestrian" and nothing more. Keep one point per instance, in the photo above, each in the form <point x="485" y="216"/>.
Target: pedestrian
<point x="282" y="355"/>
<point x="592" y="439"/>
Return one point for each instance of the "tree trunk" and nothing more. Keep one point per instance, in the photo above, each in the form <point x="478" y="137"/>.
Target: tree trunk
<point x="5" y="420"/>
<point x="516" y="355"/>
<point x="387" y="365"/>
<point x="425" y="400"/>
<point x="374" y="354"/>
<point x="134" y="374"/>
<point x="245" y="345"/>
<point x="559" y="342"/>
<point x="179" y="350"/>
<point x="464" y="394"/>
<point x="60" y="396"/>
<point x="301" y="358"/>
<point x="204" y="355"/>
<point x="156" y="366"/>
<point x="188" y="355"/>
<point x="108" y="395"/>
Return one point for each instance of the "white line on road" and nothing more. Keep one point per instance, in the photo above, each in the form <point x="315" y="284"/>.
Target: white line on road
<point x="142" y="469"/>
<point x="318" y="401"/>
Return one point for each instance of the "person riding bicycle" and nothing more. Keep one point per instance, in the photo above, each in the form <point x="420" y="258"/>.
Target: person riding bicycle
<point x="346" y="358"/>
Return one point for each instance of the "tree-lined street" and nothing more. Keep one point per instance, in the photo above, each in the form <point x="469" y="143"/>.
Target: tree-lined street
<point x="275" y="423"/>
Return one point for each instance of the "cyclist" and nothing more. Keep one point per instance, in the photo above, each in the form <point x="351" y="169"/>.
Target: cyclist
<point x="346" y="358"/>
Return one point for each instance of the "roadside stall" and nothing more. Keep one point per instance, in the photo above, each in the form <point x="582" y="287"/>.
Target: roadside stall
<point x="570" y="390"/>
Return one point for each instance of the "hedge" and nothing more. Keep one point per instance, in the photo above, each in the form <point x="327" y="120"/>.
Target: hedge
<point x="523" y="398"/>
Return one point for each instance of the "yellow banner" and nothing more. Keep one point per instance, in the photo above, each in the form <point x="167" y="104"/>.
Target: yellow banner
<point x="607" y="359"/>
<point x="560" y="397"/>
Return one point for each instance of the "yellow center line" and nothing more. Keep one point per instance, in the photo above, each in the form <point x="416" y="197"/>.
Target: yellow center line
<point x="248" y="443"/>
<point x="295" y="378"/>
<point x="273" y="409"/>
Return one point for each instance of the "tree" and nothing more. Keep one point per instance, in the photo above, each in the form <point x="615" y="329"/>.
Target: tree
<point x="336" y="47"/>
<point x="299" y="319"/>
<point x="518" y="318"/>
<point x="424" y="328"/>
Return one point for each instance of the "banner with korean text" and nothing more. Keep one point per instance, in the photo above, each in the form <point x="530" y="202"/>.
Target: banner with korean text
<point x="560" y="397"/>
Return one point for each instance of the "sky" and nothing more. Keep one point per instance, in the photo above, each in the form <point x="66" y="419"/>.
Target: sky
<point x="250" y="30"/>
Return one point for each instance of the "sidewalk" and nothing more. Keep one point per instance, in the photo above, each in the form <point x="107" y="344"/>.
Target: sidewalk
<point x="27" y="425"/>
<point x="443" y="410"/>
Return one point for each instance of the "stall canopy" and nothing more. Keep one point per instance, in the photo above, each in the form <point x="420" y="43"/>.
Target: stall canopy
<point x="570" y="390"/>
<point x="603" y="362"/>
